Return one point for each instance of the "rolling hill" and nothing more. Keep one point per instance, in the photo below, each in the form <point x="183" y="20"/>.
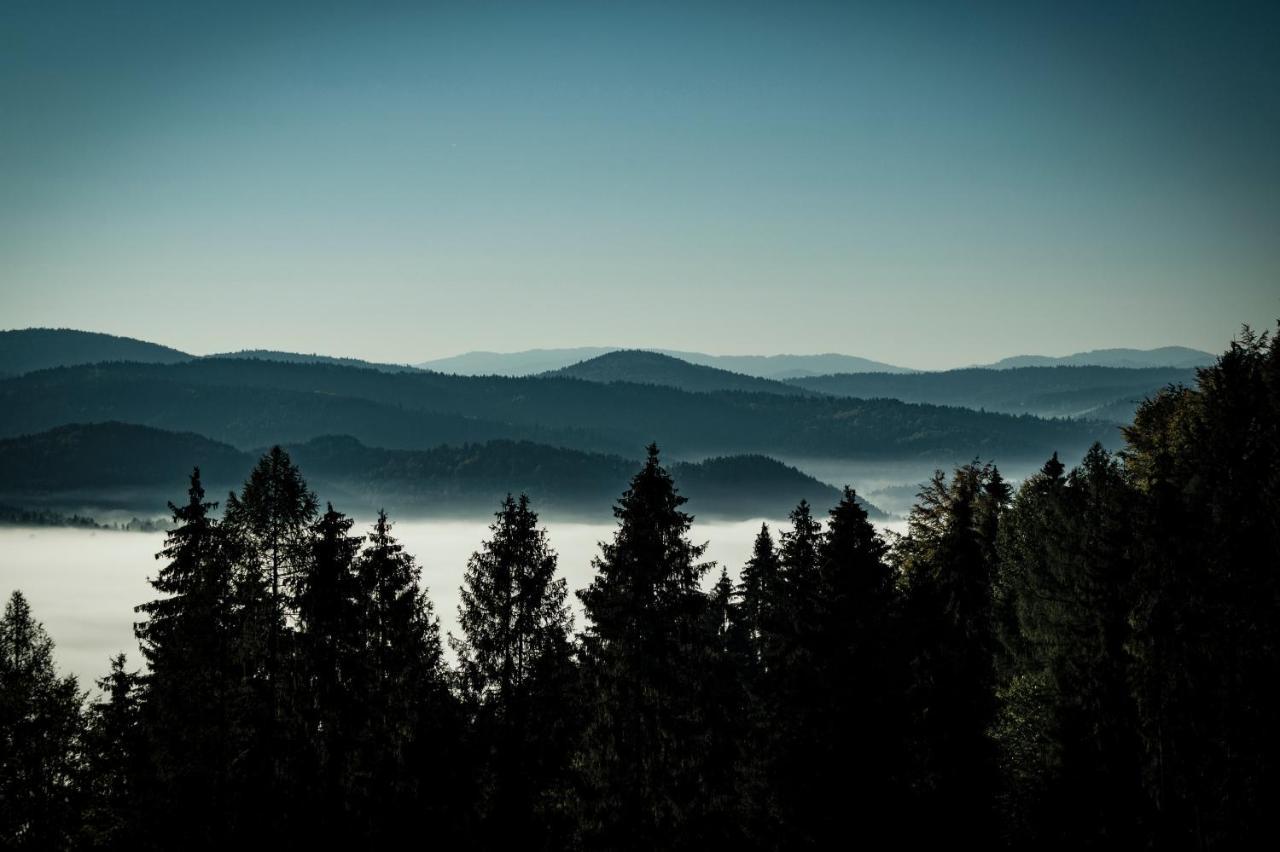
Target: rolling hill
<point x="299" y="358"/>
<point x="653" y="368"/>
<point x="1165" y="356"/>
<point x="533" y="361"/>
<point x="526" y="363"/>
<point x="249" y="403"/>
<point x="28" y="349"/>
<point x="119" y="465"/>
<point x="1104" y="393"/>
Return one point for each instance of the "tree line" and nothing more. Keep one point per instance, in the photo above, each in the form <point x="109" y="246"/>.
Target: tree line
<point x="1087" y="660"/>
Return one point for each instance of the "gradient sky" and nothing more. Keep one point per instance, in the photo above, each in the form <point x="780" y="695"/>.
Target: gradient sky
<point x="927" y="184"/>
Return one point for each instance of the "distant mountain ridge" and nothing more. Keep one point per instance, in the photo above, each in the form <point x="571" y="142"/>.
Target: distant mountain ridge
<point x="28" y="349"/>
<point x="1103" y="393"/>
<point x="249" y="403"/>
<point x="300" y="358"/>
<point x="654" y="368"/>
<point x="534" y="361"/>
<point x="1166" y="356"/>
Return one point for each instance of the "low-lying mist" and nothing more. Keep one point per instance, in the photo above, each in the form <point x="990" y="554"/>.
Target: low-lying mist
<point x="84" y="584"/>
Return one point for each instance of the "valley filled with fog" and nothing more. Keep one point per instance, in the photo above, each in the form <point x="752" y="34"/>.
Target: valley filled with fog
<point x="84" y="584"/>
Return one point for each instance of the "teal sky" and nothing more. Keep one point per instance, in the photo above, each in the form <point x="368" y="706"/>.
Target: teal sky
<point x="928" y="184"/>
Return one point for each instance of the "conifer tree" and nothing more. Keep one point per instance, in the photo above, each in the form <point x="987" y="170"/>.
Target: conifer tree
<point x="761" y="617"/>
<point x="116" y="764"/>
<point x="271" y="519"/>
<point x="858" y="733"/>
<point x="1063" y="597"/>
<point x="267" y="530"/>
<point x="1206" y="461"/>
<point x="947" y="560"/>
<point x="515" y="661"/>
<point x="40" y="737"/>
<point x="411" y="748"/>
<point x="330" y="658"/>
<point x="793" y="681"/>
<point x="761" y="593"/>
<point x="647" y="773"/>
<point x="196" y="715"/>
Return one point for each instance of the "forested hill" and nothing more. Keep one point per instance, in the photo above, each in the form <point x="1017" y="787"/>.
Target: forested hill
<point x="24" y="350"/>
<point x="250" y="403"/>
<point x="1165" y="356"/>
<point x="1110" y="393"/>
<point x="119" y="465"/>
<point x="654" y="368"/>
<point x="299" y="358"/>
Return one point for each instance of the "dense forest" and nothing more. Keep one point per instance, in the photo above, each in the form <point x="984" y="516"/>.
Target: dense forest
<point x="1085" y="661"/>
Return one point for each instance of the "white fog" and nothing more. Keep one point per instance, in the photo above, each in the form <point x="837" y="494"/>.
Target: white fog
<point x="83" y="584"/>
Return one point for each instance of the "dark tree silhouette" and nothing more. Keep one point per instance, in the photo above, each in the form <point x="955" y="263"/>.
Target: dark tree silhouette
<point x="115" y="756"/>
<point x="646" y="768"/>
<point x="329" y="675"/>
<point x="411" y="751"/>
<point x="516" y="667"/>
<point x="1067" y="723"/>
<point x="40" y="732"/>
<point x="948" y="563"/>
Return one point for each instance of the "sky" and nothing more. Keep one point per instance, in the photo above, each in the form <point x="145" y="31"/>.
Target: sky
<point x="928" y="184"/>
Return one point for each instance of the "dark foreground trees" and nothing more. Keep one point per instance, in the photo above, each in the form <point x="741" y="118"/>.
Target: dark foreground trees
<point x="1086" y="662"/>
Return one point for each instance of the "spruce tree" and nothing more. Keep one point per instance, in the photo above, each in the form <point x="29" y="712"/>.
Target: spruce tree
<point x="760" y="591"/>
<point x="648" y="775"/>
<point x="116" y="764"/>
<point x="760" y="614"/>
<point x="1064" y="595"/>
<point x="947" y="561"/>
<point x="793" y="681"/>
<point x="40" y="737"/>
<point x="198" y="716"/>
<point x="858" y="731"/>
<point x="515" y="661"/>
<point x="411" y="754"/>
<point x="267" y="529"/>
<point x="1206" y="462"/>
<point x="329" y="663"/>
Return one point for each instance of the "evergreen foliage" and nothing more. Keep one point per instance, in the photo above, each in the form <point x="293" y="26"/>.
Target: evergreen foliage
<point x="516" y="669"/>
<point x="41" y="728"/>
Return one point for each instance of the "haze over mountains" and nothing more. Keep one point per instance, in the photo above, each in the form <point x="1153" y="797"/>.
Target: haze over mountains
<point x="24" y="350"/>
<point x="126" y="466"/>
<point x="440" y="442"/>
<point x="1165" y="356"/>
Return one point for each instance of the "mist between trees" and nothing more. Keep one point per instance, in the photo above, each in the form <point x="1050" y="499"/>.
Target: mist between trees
<point x="1087" y="661"/>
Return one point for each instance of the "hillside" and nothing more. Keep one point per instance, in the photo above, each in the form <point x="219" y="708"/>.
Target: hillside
<point x="653" y="368"/>
<point x="249" y="403"/>
<point x="526" y="363"/>
<point x="1165" y="356"/>
<point x="111" y="459"/>
<point x="299" y="358"/>
<point x="24" y="350"/>
<point x="787" y="366"/>
<point x="110" y="465"/>
<point x="1105" y="393"/>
